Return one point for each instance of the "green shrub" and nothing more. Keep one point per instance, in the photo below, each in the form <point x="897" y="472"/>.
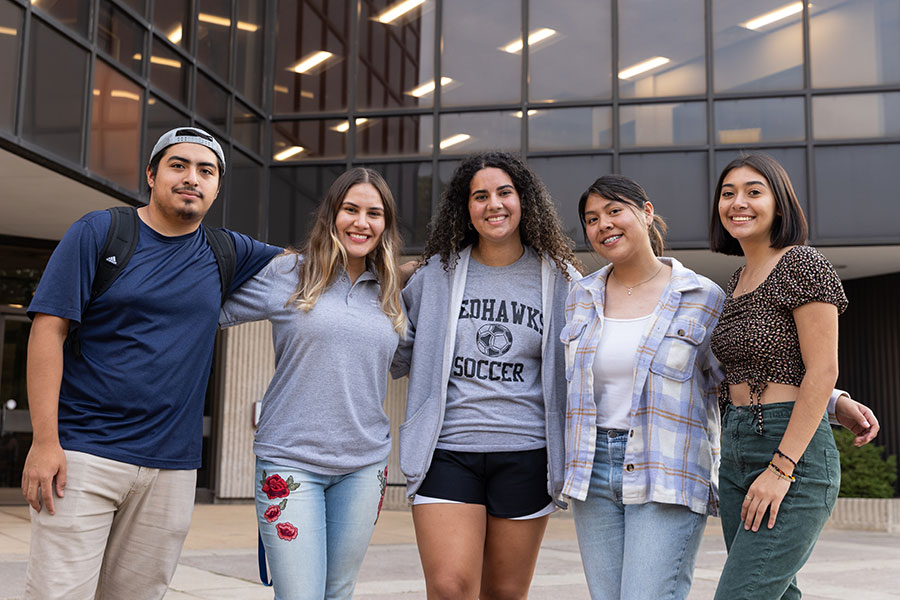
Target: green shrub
<point x="865" y="472"/>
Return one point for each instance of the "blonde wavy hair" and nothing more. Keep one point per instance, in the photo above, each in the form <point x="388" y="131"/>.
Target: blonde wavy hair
<point x="322" y="251"/>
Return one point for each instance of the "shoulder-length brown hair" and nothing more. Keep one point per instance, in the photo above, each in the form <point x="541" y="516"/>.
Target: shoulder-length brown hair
<point x="322" y="251"/>
<point x="789" y="227"/>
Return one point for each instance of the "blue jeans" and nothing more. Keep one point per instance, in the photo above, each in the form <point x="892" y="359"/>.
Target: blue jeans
<point x="316" y="528"/>
<point x="632" y="551"/>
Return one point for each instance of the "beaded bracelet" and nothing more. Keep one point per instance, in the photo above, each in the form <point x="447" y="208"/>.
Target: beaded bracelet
<point x="785" y="456"/>
<point x="781" y="474"/>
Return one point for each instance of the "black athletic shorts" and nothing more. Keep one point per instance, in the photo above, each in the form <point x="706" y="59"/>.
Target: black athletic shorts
<point x="508" y="484"/>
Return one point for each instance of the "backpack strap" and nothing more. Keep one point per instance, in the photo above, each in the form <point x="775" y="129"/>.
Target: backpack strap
<point x="222" y="245"/>
<point x="121" y="240"/>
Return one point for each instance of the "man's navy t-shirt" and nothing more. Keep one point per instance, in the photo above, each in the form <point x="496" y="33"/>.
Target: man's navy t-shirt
<point x="136" y="394"/>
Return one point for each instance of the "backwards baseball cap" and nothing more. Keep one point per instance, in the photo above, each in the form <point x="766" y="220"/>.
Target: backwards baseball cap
<point x="191" y="135"/>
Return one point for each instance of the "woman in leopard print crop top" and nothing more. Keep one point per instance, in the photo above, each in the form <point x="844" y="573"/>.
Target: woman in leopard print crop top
<point x="777" y="339"/>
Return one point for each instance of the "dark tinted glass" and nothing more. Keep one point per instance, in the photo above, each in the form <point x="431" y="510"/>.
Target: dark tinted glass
<point x="569" y="128"/>
<point x="115" y="127"/>
<point x="242" y="203"/>
<point x="160" y="118"/>
<point x="295" y="193"/>
<point x="212" y="102"/>
<point x="74" y="14"/>
<point x="168" y="71"/>
<point x="299" y="140"/>
<point x="387" y="136"/>
<point x="171" y="19"/>
<point x="55" y="92"/>
<point x="10" y="42"/>
<point x="247" y="127"/>
<point x="121" y="37"/>
<point x="462" y="133"/>
<point x="139" y="6"/>
<point x="856" y="116"/>
<point x="311" y="57"/>
<point x="214" y="36"/>
<point x="762" y="120"/>
<point x="676" y="183"/>
<point x="665" y="124"/>
<point x="396" y="54"/>
<point x="248" y="54"/>
<point x="410" y="184"/>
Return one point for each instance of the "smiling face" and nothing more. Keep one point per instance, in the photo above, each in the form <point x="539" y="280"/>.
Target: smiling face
<point x="747" y="206"/>
<point x="360" y="222"/>
<point x="616" y="230"/>
<point x="494" y="207"/>
<point x="185" y="183"/>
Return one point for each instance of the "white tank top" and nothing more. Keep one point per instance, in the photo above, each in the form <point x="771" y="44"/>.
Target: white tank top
<point x="614" y="370"/>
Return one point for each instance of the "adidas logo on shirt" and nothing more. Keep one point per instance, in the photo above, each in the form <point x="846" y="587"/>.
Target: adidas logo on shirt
<point x="111" y="260"/>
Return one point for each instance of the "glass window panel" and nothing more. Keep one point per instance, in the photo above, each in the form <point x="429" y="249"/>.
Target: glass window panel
<point x="481" y="60"/>
<point x="295" y="194"/>
<point x="244" y="189"/>
<point x="10" y="41"/>
<point x="248" y="55"/>
<point x="169" y="72"/>
<point x="115" y="127"/>
<point x="299" y="140"/>
<point x="214" y="36"/>
<point x="666" y="124"/>
<point x="410" y="185"/>
<point x="247" y="127"/>
<point x="569" y="128"/>
<point x="160" y="118"/>
<point x="676" y="183"/>
<point x="387" y="136"/>
<point x="74" y="14"/>
<point x="792" y="159"/>
<point x="575" y="63"/>
<point x="212" y="102"/>
<point x="121" y="37"/>
<point x="139" y="6"/>
<point x="760" y="120"/>
<point x="566" y="179"/>
<point x="661" y="48"/>
<point x="753" y="52"/>
<point x="462" y="133"/>
<point x="856" y="116"/>
<point x="854" y="42"/>
<point x="171" y="19"/>
<point x="55" y="92"/>
<point x="850" y="192"/>
<point x="310" y="52"/>
<point x="396" y="55"/>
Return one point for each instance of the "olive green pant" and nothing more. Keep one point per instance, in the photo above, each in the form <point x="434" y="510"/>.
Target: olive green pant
<point x="763" y="565"/>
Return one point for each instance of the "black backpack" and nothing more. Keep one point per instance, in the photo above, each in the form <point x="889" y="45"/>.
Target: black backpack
<point x="122" y="239"/>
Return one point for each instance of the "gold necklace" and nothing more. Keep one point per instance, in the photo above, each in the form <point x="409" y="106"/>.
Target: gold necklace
<point x="631" y="289"/>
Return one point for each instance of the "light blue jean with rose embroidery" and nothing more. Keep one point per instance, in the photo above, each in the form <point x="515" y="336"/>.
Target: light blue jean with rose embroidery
<point x="316" y="528"/>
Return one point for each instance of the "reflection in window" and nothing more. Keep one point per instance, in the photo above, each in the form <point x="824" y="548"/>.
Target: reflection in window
<point x="299" y="140"/>
<point x="139" y="6"/>
<point x="662" y="124"/>
<point x="74" y="14"/>
<point x="676" y="183"/>
<point x="762" y="120"/>
<point x="171" y="19"/>
<point x="212" y="102"/>
<point x="115" y="127"/>
<point x="856" y="116"/>
<point x="310" y="57"/>
<point x="792" y="159"/>
<point x="244" y="189"/>
<point x="295" y="193"/>
<point x="661" y="48"/>
<point x="575" y="64"/>
<point x="850" y="192"/>
<point x="462" y="133"/>
<point x="410" y="185"/>
<point x="168" y="71"/>
<point x="758" y="45"/>
<point x="388" y="136"/>
<point x="10" y="40"/>
<point x="396" y="53"/>
<point x="55" y="92"/>
<point x="566" y="179"/>
<point x="247" y="127"/>
<point x="160" y="118"/>
<point x="487" y="35"/>
<point x="121" y="37"/>
<point x="248" y="55"/>
<point x="569" y="128"/>
<point x="214" y="36"/>
<point x="855" y="42"/>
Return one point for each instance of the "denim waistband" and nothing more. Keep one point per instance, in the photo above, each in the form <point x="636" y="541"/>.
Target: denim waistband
<point x="774" y="410"/>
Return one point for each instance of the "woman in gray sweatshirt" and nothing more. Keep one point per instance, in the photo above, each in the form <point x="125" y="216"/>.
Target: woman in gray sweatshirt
<point x="482" y="445"/>
<point x="323" y="437"/>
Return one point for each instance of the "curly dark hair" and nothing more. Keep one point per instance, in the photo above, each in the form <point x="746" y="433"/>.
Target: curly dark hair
<point x="540" y="228"/>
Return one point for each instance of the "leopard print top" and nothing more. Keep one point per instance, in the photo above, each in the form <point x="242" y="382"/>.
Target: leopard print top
<point x="756" y="337"/>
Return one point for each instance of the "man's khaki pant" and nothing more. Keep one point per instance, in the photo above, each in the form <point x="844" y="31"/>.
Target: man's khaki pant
<point x="117" y="532"/>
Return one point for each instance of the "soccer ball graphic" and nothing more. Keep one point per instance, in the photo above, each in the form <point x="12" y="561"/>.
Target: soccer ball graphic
<point x="493" y="340"/>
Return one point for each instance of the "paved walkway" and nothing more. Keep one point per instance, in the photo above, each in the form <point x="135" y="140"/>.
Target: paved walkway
<point x="219" y="561"/>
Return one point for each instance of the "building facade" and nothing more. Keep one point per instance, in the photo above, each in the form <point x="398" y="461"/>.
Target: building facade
<point x="298" y="91"/>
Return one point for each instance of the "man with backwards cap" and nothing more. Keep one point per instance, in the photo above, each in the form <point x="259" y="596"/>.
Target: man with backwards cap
<point x="111" y="472"/>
